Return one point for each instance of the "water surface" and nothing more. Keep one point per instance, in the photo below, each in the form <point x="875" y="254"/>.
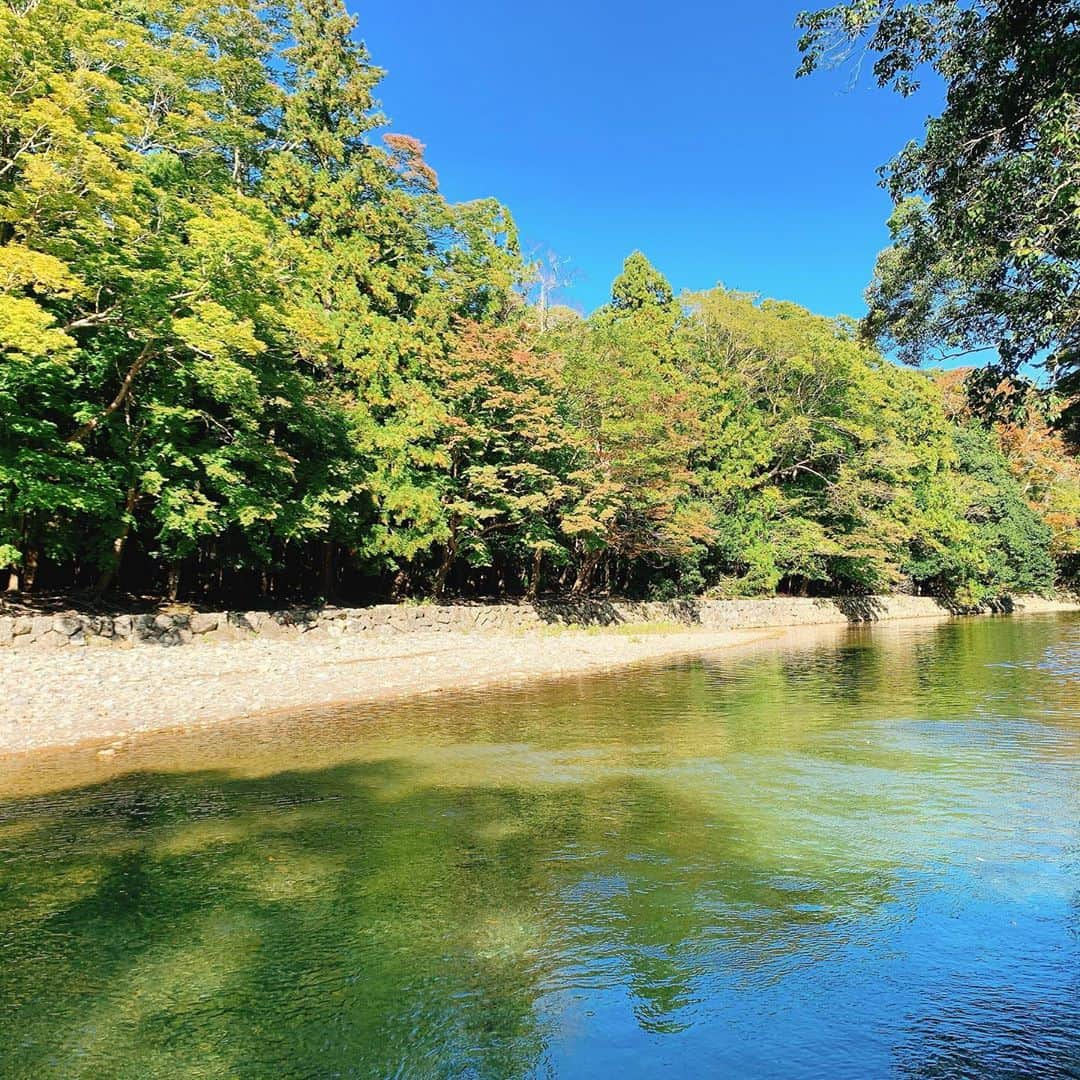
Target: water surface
<point x="858" y="858"/>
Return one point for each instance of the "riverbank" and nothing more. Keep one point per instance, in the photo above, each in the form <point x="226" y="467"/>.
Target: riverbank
<point x="73" y="696"/>
<point x="172" y="625"/>
<point x="92" y="695"/>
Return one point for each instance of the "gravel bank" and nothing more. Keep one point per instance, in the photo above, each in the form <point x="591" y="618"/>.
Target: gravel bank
<point x="65" y="698"/>
<point x="72" y="697"/>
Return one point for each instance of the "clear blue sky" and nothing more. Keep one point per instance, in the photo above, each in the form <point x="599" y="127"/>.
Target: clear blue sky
<point x="677" y="128"/>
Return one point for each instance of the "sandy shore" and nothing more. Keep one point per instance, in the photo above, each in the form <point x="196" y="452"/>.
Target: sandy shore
<point x="80" y="697"/>
<point x="54" y="699"/>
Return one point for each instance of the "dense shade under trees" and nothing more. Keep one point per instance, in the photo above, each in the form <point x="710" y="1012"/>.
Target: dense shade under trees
<point x="247" y="349"/>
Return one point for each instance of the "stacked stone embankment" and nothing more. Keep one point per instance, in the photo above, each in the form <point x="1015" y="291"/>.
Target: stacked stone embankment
<point x="74" y="629"/>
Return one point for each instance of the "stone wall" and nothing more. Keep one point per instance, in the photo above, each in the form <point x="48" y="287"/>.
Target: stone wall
<point x="72" y="629"/>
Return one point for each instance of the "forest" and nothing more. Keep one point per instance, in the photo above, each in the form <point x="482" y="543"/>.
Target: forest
<point x="248" y="351"/>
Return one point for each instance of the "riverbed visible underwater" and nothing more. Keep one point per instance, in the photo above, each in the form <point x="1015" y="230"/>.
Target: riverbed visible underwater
<point x="853" y="858"/>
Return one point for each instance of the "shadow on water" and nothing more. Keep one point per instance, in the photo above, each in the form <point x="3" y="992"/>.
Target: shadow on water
<point x="858" y="860"/>
<point x="354" y="921"/>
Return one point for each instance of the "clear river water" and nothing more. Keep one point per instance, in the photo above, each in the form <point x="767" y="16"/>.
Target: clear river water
<point x="853" y="857"/>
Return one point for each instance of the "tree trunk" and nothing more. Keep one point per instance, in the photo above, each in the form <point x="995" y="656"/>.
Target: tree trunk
<point x="108" y="575"/>
<point x="327" y="576"/>
<point x="444" y="567"/>
<point x="172" y="582"/>
<point x="534" y="580"/>
<point x="589" y="562"/>
<point x="138" y="364"/>
<point x="14" y="577"/>
<point x="449" y="554"/>
<point x="564" y="577"/>
<point x="31" y="568"/>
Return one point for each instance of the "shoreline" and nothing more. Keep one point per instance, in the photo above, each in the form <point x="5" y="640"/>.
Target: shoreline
<point x="147" y="692"/>
<point x="77" y="698"/>
<point x="173" y="625"/>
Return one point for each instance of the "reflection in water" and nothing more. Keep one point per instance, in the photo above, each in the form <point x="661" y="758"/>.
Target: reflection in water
<point x="855" y="860"/>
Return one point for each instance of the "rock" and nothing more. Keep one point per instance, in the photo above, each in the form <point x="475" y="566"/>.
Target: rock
<point x="121" y="626"/>
<point x="6" y="634"/>
<point x="230" y="629"/>
<point x="163" y="622"/>
<point x="273" y="630"/>
<point x="67" y="624"/>
<point x="22" y="624"/>
<point x="202" y="622"/>
<point x="42" y="624"/>
<point x="242" y="623"/>
<point x="97" y="626"/>
<point x="51" y="639"/>
<point x="304" y="620"/>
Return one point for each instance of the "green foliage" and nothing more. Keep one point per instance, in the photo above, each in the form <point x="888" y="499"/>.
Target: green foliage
<point x="633" y="426"/>
<point x="986" y="234"/>
<point x="219" y="296"/>
<point x="247" y="347"/>
<point x="1002" y="545"/>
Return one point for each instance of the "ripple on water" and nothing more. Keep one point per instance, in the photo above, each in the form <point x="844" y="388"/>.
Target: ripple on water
<point x="853" y="860"/>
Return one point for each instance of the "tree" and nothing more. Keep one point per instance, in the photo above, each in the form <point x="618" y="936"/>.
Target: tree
<point x="1022" y="419"/>
<point x="985" y="235"/>
<point x="505" y="448"/>
<point x="548" y="273"/>
<point x="633" y="426"/>
<point x="112" y="163"/>
<point x="221" y="297"/>
<point x="248" y="348"/>
<point x="1002" y="546"/>
<point x="640" y="287"/>
<point x="800" y="458"/>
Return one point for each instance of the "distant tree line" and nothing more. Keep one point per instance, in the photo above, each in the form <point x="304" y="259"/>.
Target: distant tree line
<point x="248" y="350"/>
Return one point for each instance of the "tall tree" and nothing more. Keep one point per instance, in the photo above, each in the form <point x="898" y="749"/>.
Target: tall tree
<point x="505" y="454"/>
<point x="986" y="231"/>
<point x="634" y="425"/>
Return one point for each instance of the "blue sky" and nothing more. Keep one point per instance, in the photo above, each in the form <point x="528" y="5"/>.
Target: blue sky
<point x="676" y="128"/>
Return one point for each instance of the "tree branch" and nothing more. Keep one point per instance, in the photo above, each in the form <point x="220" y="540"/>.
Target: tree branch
<point x="121" y="395"/>
<point x="92" y="319"/>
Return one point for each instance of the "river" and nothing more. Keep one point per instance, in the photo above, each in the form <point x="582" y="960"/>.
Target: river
<point x="853" y="858"/>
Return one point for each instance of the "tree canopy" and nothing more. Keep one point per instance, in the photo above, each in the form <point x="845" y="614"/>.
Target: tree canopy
<point x="248" y="349"/>
<point x="986" y="228"/>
